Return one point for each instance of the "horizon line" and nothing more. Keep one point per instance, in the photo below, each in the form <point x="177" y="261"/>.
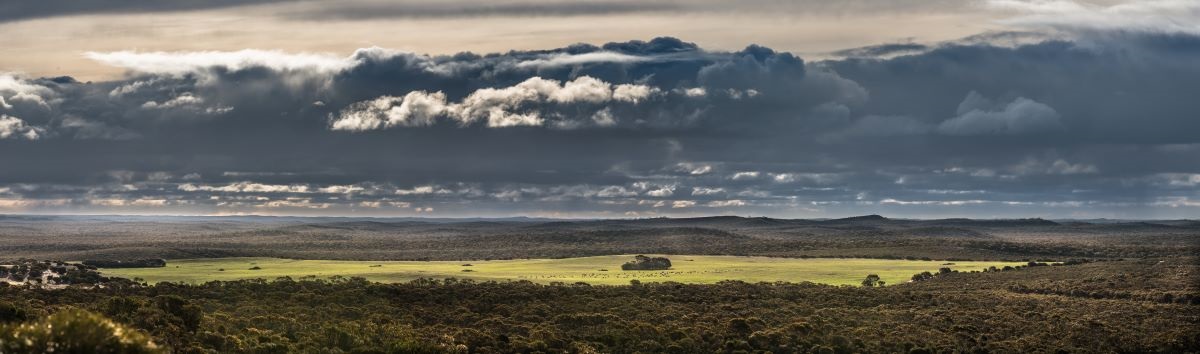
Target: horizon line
<point x="4" y="215"/>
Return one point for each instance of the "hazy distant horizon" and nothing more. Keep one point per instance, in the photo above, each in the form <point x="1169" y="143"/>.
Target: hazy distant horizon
<point x="537" y="219"/>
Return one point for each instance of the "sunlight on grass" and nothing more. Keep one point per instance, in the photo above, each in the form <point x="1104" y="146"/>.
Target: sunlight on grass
<point x="685" y="269"/>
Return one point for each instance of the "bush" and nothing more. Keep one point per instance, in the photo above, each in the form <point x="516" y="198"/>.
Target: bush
<point x="74" y="331"/>
<point x="178" y="307"/>
<point x="10" y="312"/>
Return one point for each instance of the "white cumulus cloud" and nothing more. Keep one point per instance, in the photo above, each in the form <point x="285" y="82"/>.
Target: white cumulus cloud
<point x="522" y="104"/>
<point x="13" y="127"/>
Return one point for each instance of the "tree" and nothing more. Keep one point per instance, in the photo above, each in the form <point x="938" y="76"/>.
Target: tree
<point x="871" y="281"/>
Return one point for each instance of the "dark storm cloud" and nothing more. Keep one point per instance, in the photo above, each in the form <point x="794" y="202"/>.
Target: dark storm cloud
<point x="1099" y="124"/>
<point x="16" y="10"/>
<point x="977" y="115"/>
<point x="1095" y="84"/>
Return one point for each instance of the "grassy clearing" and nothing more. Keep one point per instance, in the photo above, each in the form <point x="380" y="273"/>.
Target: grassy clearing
<point x="686" y="269"/>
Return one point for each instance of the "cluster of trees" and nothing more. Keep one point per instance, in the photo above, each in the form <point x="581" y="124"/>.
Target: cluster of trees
<point x="1160" y="297"/>
<point x="1149" y="280"/>
<point x="28" y="270"/>
<point x="31" y="272"/>
<point x="641" y="262"/>
<point x="922" y="276"/>
<point x="127" y="263"/>
<point x="957" y="312"/>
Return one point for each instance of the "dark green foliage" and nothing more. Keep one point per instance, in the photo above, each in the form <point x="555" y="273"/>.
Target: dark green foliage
<point x="10" y="312"/>
<point x="641" y="262"/>
<point x="82" y="276"/>
<point x="871" y="280"/>
<point x="188" y="315"/>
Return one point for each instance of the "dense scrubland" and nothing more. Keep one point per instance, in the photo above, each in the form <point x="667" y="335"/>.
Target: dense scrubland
<point x="1124" y="287"/>
<point x="84" y="238"/>
<point x="956" y="312"/>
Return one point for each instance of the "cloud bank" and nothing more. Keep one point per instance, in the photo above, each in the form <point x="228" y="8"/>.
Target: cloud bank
<point x="1080" y="126"/>
<point x="582" y="101"/>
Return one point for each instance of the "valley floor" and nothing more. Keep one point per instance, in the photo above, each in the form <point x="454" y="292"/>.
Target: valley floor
<point x="600" y="270"/>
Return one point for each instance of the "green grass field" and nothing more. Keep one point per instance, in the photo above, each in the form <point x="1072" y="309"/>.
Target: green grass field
<point x="686" y="269"/>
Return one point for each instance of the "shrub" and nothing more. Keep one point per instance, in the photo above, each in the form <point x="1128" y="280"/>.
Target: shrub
<point x="74" y="331"/>
<point x="922" y="276"/>
<point x="180" y="308"/>
<point x="10" y="312"/>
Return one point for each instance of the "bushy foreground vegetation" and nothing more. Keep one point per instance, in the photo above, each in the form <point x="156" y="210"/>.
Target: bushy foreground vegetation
<point x="72" y="331"/>
<point x="952" y="312"/>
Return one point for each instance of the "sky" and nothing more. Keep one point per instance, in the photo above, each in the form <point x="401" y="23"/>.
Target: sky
<point x="601" y="109"/>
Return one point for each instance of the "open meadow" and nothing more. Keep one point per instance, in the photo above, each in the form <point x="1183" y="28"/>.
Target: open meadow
<point x="601" y="270"/>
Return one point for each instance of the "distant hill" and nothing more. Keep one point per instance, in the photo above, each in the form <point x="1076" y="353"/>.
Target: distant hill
<point x="991" y="222"/>
<point x="866" y="236"/>
<point x="872" y="217"/>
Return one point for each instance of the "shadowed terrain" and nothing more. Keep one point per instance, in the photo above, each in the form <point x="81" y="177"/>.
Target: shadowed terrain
<point x="78" y="238"/>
